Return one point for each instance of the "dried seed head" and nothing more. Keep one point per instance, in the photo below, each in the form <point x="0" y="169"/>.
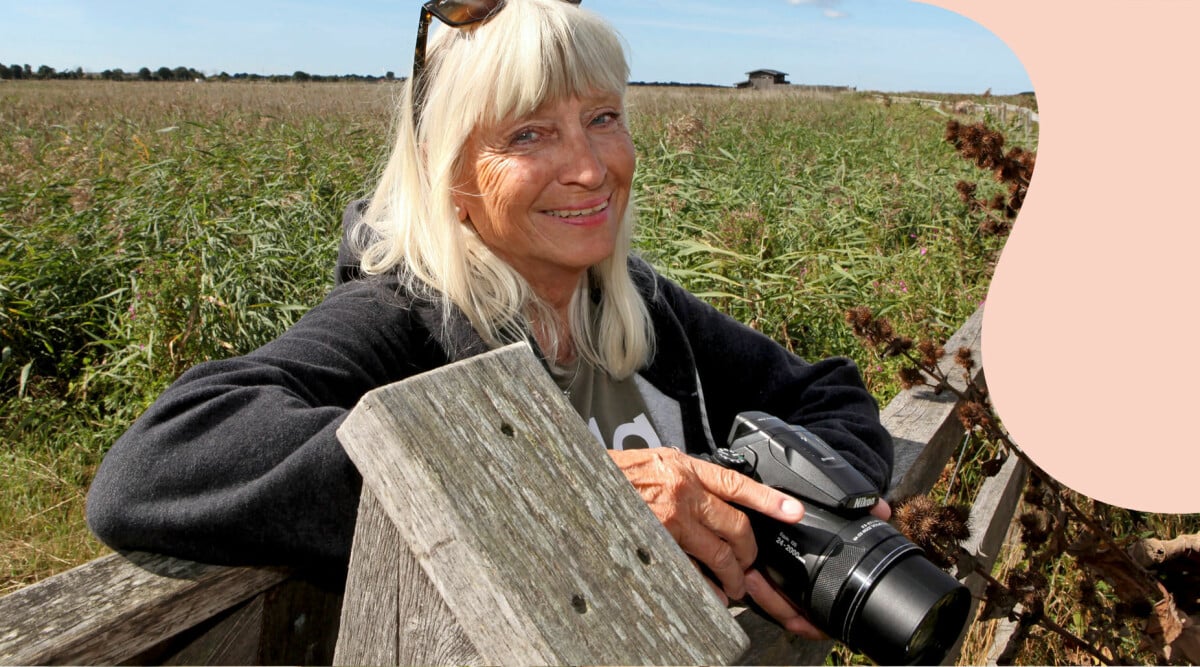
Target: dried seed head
<point x="1025" y="580"/>
<point x="1087" y="590"/>
<point x="966" y="191"/>
<point x="993" y="227"/>
<point x="930" y="352"/>
<point x="1037" y="495"/>
<point x="963" y="358"/>
<point x="911" y="518"/>
<point x="858" y="316"/>
<point x="972" y="414"/>
<point x="931" y="526"/>
<point x="952" y="132"/>
<point x="955" y="522"/>
<point x="1035" y="526"/>
<point x="911" y="377"/>
<point x="898" y="345"/>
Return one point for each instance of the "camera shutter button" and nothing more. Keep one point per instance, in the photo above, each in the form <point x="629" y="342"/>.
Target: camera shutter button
<point x="734" y="460"/>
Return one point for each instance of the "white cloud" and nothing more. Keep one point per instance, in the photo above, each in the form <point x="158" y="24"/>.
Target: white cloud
<point x="829" y="7"/>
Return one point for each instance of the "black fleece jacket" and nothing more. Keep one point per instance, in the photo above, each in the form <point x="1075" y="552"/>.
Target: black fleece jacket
<point x="238" y="461"/>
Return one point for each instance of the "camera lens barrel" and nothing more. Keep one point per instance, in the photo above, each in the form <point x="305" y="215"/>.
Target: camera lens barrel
<point x="913" y="614"/>
<point x="864" y="583"/>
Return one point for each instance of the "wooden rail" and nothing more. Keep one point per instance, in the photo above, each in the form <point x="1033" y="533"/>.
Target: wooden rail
<point x="545" y="554"/>
<point x="140" y="608"/>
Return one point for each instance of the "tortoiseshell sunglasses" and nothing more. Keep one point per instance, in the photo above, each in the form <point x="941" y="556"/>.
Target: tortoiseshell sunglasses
<point x="455" y="13"/>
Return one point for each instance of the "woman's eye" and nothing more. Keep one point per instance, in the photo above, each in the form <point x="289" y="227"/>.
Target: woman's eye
<point x="606" y="118"/>
<point x="525" y="136"/>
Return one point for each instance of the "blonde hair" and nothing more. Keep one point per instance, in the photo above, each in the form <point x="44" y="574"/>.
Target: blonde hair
<point x="530" y="52"/>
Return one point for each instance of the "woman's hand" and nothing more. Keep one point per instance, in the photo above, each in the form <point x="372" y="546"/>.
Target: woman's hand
<point x="692" y="499"/>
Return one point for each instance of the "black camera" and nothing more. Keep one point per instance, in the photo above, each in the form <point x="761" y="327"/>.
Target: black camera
<point x="858" y="579"/>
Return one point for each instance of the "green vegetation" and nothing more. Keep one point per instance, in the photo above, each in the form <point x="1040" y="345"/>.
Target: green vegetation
<point x="785" y="211"/>
<point x="147" y="227"/>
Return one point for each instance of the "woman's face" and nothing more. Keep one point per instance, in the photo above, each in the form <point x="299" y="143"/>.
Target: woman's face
<point x="547" y="191"/>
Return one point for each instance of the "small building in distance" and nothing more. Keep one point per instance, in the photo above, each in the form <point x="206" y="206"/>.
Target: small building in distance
<point x="764" y="78"/>
<point x="767" y="79"/>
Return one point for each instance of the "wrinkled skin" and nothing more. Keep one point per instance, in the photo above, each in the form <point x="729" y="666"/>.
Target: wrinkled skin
<point x="692" y="499"/>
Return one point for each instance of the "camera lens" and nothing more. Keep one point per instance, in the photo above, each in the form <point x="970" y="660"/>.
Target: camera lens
<point x="913" y="613"/>
<point x="864" y="583"/>
<point x="945" y="613"/>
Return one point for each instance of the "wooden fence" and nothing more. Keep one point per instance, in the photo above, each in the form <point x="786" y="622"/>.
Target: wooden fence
<point x="491" y="530"/>
<point x="1005" y="113"/>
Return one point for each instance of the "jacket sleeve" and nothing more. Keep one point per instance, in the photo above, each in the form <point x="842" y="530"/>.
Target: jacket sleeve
<point x="742" y="369"/>
<point x="238" y="461"/>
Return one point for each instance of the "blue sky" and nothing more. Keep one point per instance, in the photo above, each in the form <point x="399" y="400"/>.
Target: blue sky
<point x="889" y="45"/>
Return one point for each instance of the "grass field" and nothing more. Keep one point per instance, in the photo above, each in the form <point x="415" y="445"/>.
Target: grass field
<point x="145" y="227"/>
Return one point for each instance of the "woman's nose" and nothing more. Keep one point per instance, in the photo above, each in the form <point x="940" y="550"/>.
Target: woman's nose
<point x="582" y="162"/>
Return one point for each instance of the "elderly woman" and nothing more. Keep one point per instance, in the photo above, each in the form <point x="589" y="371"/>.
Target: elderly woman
<point x="504" y="214"/>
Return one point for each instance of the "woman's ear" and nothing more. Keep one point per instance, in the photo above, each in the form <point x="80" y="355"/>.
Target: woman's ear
<point x="460" y="210"/>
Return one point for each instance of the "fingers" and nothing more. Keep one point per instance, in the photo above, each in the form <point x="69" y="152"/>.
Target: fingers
<point x="692" y="498"/>
<point x="881" y="510"/>
<point x="733" y="529"/>
<point x="775" y="605"/>
<point x="732" y="486"/>
<point x="719" y="555"/>
<point x="677" y="489"/>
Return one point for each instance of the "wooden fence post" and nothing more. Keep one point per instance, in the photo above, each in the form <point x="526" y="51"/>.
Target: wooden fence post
<point x="924" y="425"/>
<point x="539" y="549"/>
<point x="991" y="517"/>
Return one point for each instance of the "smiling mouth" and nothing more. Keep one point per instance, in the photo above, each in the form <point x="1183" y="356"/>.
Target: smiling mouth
<point x="579" y="212"/>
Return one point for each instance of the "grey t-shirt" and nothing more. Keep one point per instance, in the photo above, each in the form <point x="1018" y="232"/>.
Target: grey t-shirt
<point x="615" y="410"/>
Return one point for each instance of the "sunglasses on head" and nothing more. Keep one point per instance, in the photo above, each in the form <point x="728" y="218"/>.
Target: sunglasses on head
<point x="454" y="13"/>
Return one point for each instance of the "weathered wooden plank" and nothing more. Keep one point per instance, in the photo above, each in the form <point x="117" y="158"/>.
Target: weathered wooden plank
<point x="300" y="621"/>
<point x="235" y="640"/>
<point x="991" y="516"/>
<point x="429" y="632"/>
<point x="369" y="608"/>
<point x="924" y="425"/>
<point x="411" y="627"/>
<point x="1007" y="639"/>
<point x="115" y="607"/>
<point x="541" y="549"/>
<point x="292" y="623"/>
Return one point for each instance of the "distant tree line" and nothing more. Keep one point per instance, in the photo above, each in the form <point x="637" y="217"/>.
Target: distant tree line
<point x="44" y="72"/>
<point x="189" y="74"/>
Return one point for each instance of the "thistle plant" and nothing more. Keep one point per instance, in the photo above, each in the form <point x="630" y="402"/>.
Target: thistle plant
<point x="1136" y="598"/>
<point x="1013" y="169"/>
<point x="1054" y="525"/>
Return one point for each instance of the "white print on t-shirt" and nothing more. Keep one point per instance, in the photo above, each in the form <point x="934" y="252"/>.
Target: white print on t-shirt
<point x="638" y="428"/>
